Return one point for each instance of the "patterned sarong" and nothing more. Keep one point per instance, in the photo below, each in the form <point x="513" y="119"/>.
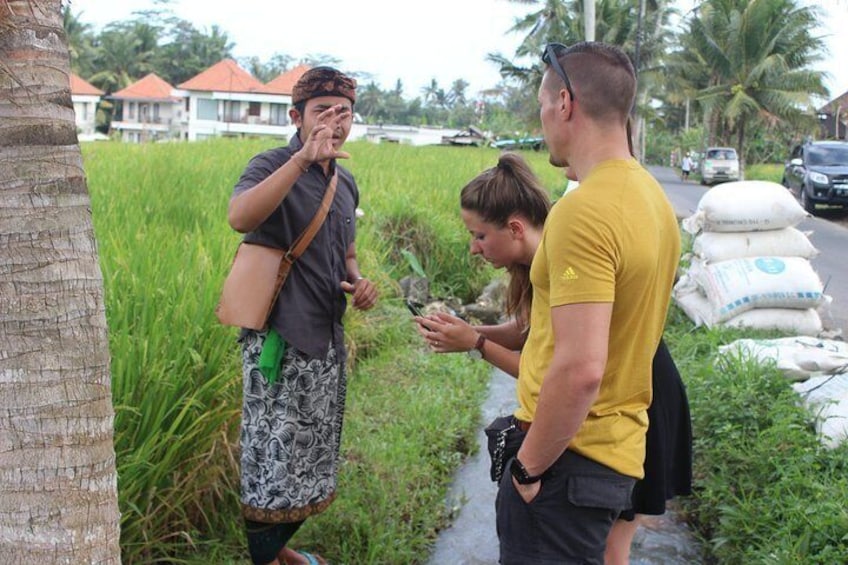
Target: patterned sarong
<point x="290" y="434"/>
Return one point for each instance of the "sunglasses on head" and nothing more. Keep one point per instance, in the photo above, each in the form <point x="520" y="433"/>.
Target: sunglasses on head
<point x="549" y="57"/>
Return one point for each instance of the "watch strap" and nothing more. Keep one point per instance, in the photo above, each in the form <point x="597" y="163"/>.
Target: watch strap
<point x="519" y="472"/>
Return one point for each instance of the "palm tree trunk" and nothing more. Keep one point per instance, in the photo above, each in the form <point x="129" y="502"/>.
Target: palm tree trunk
<point x="57" y="461"/>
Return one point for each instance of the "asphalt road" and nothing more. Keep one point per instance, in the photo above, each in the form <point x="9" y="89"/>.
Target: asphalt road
<point x="829" y="235"/>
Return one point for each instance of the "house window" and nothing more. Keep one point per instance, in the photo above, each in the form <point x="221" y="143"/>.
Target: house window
<point x="232" y="111"/>
<point x="253" y="109"/>
<point x="131" y="115"/>
<point x="278" y="115"/>
<point x="207" y="109"/>
<point x="156" y="112"/>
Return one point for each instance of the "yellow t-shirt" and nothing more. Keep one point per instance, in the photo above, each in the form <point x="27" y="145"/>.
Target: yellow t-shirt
<point x="613" y="239"/>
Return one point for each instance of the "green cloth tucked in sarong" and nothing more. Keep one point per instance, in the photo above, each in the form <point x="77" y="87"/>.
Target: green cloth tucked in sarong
<point x="273" y="351"/>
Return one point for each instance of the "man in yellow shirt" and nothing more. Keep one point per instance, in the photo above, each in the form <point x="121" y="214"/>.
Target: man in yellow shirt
<point x="602" y="279"/>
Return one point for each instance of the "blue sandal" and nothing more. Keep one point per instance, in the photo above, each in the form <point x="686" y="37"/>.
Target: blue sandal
<point x="311" y="559"/>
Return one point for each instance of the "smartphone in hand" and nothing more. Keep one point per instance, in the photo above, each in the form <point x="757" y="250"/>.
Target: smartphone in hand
<point x="415" y="308"/>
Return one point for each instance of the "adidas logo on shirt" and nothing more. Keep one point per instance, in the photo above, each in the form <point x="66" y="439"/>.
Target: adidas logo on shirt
<point x="569" y="275"/>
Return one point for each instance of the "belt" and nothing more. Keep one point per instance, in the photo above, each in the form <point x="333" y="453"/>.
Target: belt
<point x="522" y="425"/>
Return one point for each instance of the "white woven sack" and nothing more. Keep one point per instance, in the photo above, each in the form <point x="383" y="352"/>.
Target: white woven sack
<point x="748" y="205"/>
<point x="694" y="304"/>
<point x="827" y="398"/>
<point x="789" y="320"/>
<point x="739" y="285"/>
<point x="798" y="358"/>
<point x="787" y="242"/>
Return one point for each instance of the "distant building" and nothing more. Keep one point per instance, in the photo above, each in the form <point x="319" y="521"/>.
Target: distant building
<point x="226" y="100"/>
<point x="833" y="118"/>
<point x="150" y="109"/>
<point x="85" y="98"/>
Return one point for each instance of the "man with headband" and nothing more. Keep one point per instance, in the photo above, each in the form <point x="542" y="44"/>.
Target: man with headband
<point x="294" y="380"/>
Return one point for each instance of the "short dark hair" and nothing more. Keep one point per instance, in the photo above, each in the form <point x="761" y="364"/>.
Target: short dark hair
<point x="603" y="78"/>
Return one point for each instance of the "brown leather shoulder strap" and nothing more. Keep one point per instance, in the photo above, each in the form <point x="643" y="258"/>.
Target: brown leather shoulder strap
<point x="303" y="241"/>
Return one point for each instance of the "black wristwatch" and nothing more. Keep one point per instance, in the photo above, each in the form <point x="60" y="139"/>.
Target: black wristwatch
<point x="517" y="470"/>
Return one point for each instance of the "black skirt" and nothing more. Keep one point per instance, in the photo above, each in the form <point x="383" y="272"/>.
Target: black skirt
<point x="668" y="449"/>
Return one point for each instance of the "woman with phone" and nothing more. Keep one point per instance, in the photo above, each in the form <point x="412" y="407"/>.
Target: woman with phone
<point x="504" y="209"/>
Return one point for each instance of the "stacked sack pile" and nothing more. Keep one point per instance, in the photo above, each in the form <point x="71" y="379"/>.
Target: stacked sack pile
<point x="750" y="266"/>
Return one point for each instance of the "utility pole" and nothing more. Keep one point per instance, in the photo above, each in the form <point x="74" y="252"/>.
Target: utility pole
<point x="639" y="122"/>
<point x="589" y="19"/>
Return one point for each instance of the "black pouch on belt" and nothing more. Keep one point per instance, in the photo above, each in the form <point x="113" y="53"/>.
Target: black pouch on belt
<point x="504" y="440"/>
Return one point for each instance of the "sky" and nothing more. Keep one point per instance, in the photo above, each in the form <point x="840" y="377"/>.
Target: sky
<point x="415" y="42"/>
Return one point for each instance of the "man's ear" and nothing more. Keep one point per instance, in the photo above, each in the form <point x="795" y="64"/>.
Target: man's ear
<point x="295" y="117"/>
<point x="566" y="103"/>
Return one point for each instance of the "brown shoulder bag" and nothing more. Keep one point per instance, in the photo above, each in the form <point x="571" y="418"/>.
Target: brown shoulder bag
<point x="258" y="273"/>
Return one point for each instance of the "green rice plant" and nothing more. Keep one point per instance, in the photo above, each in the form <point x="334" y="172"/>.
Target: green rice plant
<point x="175" y="381"/>
<point x="764" y="171"/>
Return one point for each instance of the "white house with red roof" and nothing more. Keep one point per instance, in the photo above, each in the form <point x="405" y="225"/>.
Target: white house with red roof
<point x="226" y="100"/>
<point x="85" y="98"/>
<point x="150" y="109"/>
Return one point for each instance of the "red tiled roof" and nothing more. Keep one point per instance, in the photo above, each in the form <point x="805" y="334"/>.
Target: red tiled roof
<point x="150" y="87"/>
<point x="284" y="83"/>
<point x="225" y="76"/>
<point x="82" y="87"/>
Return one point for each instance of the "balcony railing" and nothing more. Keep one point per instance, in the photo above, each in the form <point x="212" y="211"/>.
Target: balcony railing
<point x="254" y="120"/>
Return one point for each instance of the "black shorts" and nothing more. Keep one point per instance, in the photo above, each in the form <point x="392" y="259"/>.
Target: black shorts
<point x="265" y="541"/>
<point x="570" y="518"/>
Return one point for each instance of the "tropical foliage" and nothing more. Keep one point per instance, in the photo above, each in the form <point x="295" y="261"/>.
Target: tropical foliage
<point x="739" y="69"/>
<point x="747" y="64"/>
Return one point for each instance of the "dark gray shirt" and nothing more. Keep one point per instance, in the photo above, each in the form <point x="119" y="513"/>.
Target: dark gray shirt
<point x="308" y="313"/>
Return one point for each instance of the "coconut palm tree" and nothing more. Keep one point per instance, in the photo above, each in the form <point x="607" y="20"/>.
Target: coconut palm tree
<point x="615" y="22"/>
<point x="57" y="472"/>
<point x="749" y="61"/>
<point x="80" y="44"/>
<point x="124" y="56"/>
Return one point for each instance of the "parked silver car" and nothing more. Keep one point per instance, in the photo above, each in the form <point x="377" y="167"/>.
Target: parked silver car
<point x="719" y="164"/>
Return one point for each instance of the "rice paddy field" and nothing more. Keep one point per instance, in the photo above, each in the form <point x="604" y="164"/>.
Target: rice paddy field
<point x="766" y="491"/>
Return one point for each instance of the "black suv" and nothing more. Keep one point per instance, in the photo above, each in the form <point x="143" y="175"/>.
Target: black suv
<point x="817" y="173"/>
